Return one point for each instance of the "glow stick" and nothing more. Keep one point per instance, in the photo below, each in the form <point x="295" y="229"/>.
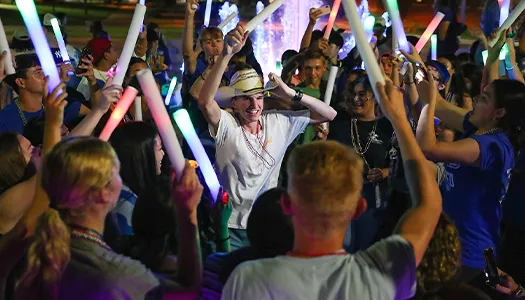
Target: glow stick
<point x="433" y="43"/>
<point x="60" y="40"/>
<point x="129" y="45"/>
<point x="368" y="26"/>
<point x="330" y="84"/>
<point x="393" y="12"/>
<point x="32" y="21"/>
<point x="162" y="120"/>
<point x="137" y="105"/>
<point x="394" y="40"/>
<point x="331" y="19"/>
<point x="263" y="15"/>
<point x="4" y="46"/>
<point x="227" y="20"/>
<point x="504" y="11"/>
<point x="207" y="13"/>
<point x="182" y="118"/>
<point x="516" y="12"/>
<point x="178" y="96"/>
<point x="173" y="83"/>
<point x="368" y="56"/>
<point x="485" y="54"/>
<point x="431" y="28"/>
<point x="118" y="113"/>
<point x="142" y="2"/>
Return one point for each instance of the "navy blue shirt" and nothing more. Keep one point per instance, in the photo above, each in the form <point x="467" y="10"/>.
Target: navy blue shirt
<point x="472" y="195"/>
<point x="514" y="204"/>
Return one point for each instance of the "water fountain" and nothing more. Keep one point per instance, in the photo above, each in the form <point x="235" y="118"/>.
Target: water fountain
<point x="225" y="10"/>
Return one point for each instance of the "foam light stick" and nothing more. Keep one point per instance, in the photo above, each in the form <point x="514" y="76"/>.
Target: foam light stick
<point x="4" y="46"/>
<point x="142" y="2"/>
<point x="395" y="46"/>
<point x="393" y="12"/>
<point x="431" y="28"/>
<point x="118" y="113"/>
<point x="433" y="49"/>
<point x="263" y="15"/>
<point x="137" y="104"/>
<point x="129" y="44"/>
<point x="516" y="12"/>
<point x="368" y="56"/>
<point x="331" y="19"/>
<point x="182" y="118"/>
<point x="485" y="55"/>
<point x="173" y="83"/>
<point x="60" y="40"/>
<point x="504" y="11"/>
<point x="227" y="20"/>
<point x="368" y="26"/>
<point x="330" y="84"/>
<point x="207" y="13"/>
<point x="32" y="21"/>
<point x="162" y="120"/>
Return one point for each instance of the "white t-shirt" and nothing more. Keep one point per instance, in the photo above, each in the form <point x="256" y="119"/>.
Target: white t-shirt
<point x="83" y="86"/>
<point x="386" y="270"/>
<point x="242" y="173"/>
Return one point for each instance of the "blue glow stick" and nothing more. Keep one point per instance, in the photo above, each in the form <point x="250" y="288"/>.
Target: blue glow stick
<point x="34" y="28"/>
<point x="173" y="83"/>
<point x="207" y="13"/>
<point x="182" y="118"/>
<point x="433" y="43"/>
<point x="60" y="40"/>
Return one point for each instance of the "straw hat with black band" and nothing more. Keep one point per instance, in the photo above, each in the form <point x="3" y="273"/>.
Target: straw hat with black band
<point x="243" y="83"/>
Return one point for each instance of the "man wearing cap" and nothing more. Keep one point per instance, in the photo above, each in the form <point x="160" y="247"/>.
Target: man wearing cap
<point x="441" y="75"/>
<point x="251" y="143"/>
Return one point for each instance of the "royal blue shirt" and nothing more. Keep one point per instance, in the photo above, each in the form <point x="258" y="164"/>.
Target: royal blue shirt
<point x="514" y="204"/>
<point x="10" y="119"/>
<point x="472" y="195"/>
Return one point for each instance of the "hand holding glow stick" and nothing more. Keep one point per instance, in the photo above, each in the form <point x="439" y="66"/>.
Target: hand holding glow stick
<point x="182" y="118"/>
<point x="331" y="20"/>
<point x="118" y="113"/>
<point x="207" y="13"/>
<point x="431" y="28"/>
<point x="516" y="12"/>
<point x="4" y="46"/>
<point x="227" y="20"/>
<point x="368" y="56"/>
<point x="129" y="45"/>
<point x="393" y="12"/>
<point x="32" y="21"/>
<point x="162" y="120"/>
<point x="263" y="15"/>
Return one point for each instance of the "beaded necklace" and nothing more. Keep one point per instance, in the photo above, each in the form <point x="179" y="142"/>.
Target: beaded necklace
<point x="89" y="235"/>
<point x="20" y="112"/>
<point x="268" y="163"/>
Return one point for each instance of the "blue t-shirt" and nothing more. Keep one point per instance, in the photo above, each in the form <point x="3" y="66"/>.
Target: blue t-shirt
<point x="472" y="195"/>
<point x="10" y="120"/>
<point x="514" y="204"/>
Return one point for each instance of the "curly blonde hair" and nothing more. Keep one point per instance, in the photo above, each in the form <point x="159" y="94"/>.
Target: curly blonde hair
<point x="442" y="259"/>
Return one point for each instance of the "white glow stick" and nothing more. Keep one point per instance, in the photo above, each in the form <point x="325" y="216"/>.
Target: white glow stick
<point x="162" y="120"/>
<point x="118" y="112"/>
<point x="207" y="13"/>
<point x="263" y="15"/>
<point x="137" y="105"/>
<point x="142" y="2"/>
<point x="368" y="56"/>
<point x="393" y="12"/>
<point x="429" y="31"/>
<point x="395" y="46"/>
<point x="182" y="118"/>
<point x="227" y="20"/>
<point x="173" y="83"/>
<point x="178" y="96"/>
<point x="32" y="21"/>
<point x="485" y="55"/>
<point x="516" y="12"/>
<point x="4" y="46"/>
<point x="330" y="84"/>
<point x="331" y="20"/>
<point x="368" y="26"/>
<point x="433" y="47"/>
<point x="504" y="11"/>
<point x="129" y="45"/>
<point x="60" y="40"/>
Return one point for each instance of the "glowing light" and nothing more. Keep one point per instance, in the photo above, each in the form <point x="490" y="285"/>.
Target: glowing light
<point x="207" y="13"/>
<point x="173" y="83"/>
<point x="393" y="11"/>
<point x="331" y="20"/>
<point x="225" y="12"/>
<point x="182" y="118"/>
<point x="431" y="28"/>
<point x="368" y="25"/>
<point x="516" y="12"/>
<point x="503" y="11"/>
<point x="118" y="113"/>
<point x="433" y="42"/>
<point x="60" y="40"/>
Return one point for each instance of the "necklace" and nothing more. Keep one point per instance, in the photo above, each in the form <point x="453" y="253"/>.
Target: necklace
<point x="490" y="131"/>
<point x="268" y="163"/>
<point x="20" y="112"/>
<point x="313" y="254"/>
<point x="356" y="141"/>
<point x="89" y="235"/>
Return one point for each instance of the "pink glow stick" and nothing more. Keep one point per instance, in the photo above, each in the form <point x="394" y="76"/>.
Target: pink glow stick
<point x="118" y="113"/>
<point x="331" y="20"/>
<point x="429" y="31"/>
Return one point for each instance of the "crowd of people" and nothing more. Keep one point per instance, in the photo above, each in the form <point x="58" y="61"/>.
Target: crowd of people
<point x="400" y="190"/>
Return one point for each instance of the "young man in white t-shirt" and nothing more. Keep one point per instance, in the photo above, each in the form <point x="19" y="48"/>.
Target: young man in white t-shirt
<point x="251" y="143"/>
<point x="324" y="194"/>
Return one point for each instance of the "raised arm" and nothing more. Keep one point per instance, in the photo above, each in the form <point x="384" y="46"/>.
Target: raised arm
<point x="511" y="64"/>
<point x="190" y="60"/>
<point x="320" y="112"/>
<point x="207" y="104"/>
<point x="491" y="70"/>
<point x="418" y="225"/>
<point x="307" y="37"/>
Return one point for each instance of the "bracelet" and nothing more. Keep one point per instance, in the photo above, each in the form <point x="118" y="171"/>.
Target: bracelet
<point x="511" y="68"/>
<point x="223" y="240"/>
<point x="412" y="82"/>
<point x="298" y="96"/>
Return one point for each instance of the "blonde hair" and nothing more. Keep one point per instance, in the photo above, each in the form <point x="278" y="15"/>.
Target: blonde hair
<point x="326" y="179"/>
<point x="71" y="172"/>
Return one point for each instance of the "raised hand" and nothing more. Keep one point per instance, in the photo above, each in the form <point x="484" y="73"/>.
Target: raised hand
<point x="191" y="7"/>
<point x="87" y="63"/>
<point x="187" y="193"/>
<point x="391" y="100"/>
<point x="281" y="90"/>
<point x="314" y="15"/>
<point x="54" y="105"/>
<point x="64" y="70"/>
<point x="110" y="94"/>
<point x="235" y="40"/>
<point x="414" y="56"/>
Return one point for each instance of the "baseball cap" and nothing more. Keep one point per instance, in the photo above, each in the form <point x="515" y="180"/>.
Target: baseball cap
<point x="441" y="68"/>
<point x="47" y="20"/>
<point x="98" y="46"/>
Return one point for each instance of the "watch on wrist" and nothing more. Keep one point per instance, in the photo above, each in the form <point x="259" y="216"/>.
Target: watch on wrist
<point x="298" y="96"/>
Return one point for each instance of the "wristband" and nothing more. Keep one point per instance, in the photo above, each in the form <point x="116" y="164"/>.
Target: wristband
<point x="511" y="68"/>
<point x="411" y="82"/>
<point x="511" y="35"/>
<point x="298" y="96"/>
<point x="223" y="240"/>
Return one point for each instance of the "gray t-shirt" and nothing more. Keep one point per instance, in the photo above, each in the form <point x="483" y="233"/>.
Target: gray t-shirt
<point x="97" y="273"/>
<point x="386" y="270"/>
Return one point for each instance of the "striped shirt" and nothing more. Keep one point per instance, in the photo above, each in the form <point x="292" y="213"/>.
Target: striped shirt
<point x="124" y="210"/>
